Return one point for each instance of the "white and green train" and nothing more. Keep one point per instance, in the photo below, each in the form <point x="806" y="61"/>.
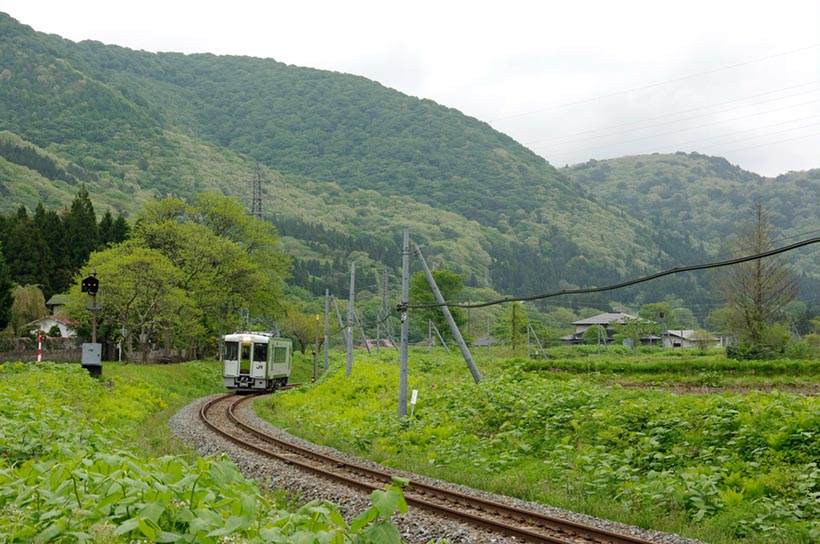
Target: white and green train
<point x="255" y="361"/>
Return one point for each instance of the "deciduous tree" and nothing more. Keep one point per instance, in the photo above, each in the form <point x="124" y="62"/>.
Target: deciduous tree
<point x="755" y="291"/>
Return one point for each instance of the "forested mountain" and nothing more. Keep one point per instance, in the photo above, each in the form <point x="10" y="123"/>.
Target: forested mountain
<point x="136" y="124"/>
<point x="694" y="201"/>
<point x="347" y="163"/>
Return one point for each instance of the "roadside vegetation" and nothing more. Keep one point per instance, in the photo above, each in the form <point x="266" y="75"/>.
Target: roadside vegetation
<point x="723" y="467"/>
<point x="79" y="463"/>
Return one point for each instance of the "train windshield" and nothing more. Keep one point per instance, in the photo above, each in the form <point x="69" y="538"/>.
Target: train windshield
<point x="260" y="352"/>
<point x="231" y="351"/>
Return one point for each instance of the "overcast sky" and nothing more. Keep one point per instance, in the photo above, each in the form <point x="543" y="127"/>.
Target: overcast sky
<point x="571" y="80"/>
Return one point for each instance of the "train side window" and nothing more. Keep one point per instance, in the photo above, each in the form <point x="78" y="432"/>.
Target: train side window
<point x="260" y="352"/>
<point x="231" y="351"/>
<point x="279" y="355"/>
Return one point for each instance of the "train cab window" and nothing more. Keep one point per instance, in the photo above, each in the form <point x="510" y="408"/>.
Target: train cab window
<point x="260" y="352"/>
<point x="231" y="351"/>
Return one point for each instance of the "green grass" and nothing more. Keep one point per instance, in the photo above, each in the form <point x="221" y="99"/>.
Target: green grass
<point x="723" y="467"/>
<point x="75" y="467"/>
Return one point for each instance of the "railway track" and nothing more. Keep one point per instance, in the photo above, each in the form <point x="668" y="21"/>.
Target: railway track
<point x="221" y="416"/>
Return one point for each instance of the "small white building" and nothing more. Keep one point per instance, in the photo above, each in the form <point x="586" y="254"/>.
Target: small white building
<point x="45" y="324"/>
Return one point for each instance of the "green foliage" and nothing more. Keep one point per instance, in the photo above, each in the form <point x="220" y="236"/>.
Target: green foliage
<point x="28" y="305"/>
<point x="64" y="476"/>
<point x="633" y="330"/>
<point x="742" y="462"/>
<point x="451" y="286"/>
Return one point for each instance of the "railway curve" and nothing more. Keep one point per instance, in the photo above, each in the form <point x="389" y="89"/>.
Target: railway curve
<point x="222" y="415"/>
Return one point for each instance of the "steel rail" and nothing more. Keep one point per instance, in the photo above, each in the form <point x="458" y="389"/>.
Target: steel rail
<point x="526" y="520"/>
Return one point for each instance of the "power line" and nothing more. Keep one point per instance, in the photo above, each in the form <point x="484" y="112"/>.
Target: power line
<point x="658" y="84"/>
<point x="687" y="129"/>
<point x="565" y="138"/>
<point x="621" y="285"/>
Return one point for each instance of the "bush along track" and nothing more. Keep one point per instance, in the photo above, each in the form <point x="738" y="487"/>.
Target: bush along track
<point x="65" y="476"/>
<point x="722" y="467"/>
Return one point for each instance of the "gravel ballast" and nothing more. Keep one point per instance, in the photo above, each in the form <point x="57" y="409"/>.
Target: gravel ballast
<point x="416" y="526"/>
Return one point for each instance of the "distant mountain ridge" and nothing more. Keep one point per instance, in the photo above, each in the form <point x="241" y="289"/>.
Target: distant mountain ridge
<point x="706" y="198"/>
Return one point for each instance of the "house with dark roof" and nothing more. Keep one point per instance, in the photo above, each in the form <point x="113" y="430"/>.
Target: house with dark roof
<point x="605" y="321"/>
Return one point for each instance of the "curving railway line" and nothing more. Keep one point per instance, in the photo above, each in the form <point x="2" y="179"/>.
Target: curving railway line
<point x="221" y="416"/>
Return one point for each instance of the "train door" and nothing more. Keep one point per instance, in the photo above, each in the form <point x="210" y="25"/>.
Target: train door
<point x="245" y="358"/>
<point x="260" y="360"/>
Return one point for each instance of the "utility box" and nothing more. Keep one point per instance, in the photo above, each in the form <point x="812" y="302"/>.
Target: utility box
<point x="92" y="359"/>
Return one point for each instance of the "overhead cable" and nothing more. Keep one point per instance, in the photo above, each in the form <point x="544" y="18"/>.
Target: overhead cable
<point x="621" y="285"/>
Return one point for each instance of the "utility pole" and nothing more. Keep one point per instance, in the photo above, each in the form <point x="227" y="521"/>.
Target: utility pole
<point x="468" y="357"/>
<point x="489" y="352"/>
<point x="361" y="329"/>
<point x="441" y="339"/>
<point x="350" y="319"/>
<point x="327" y="317"/>
<point x="405" y="325"/>
<point x="339" y="317"/>
<point x="316" y="352"/>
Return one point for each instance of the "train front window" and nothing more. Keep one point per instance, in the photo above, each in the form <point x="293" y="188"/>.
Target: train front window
<point x="231" y="351"/>
<point x="260" y="352"/>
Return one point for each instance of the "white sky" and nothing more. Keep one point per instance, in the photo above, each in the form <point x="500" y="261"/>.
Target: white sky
<point x="571" y="80"/>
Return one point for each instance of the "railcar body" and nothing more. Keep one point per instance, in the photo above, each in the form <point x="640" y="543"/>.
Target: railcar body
<point x="255" y="361"/>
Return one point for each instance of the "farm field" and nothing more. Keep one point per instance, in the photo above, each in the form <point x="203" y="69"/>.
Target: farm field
<point x="698" y="445"/>
<point x="86" y="460"/>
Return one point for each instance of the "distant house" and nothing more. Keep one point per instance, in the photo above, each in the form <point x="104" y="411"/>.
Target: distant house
<point x="56" y="302"/>
<point x="45" y="325"/>
<point x="678" y="338"/>
<point x="605" y="321"/>
<point x="675" y="338"/>
<point x="483" y="342"/>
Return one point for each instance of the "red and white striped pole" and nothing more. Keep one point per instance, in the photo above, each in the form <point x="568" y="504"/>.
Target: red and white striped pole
<point x="39" y="347"/>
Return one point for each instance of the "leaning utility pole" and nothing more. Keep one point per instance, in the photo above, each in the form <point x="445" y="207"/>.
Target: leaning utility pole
<point x="350" y="319"/>
<point x="405" y="325"/>
<point x="468" y="357"/>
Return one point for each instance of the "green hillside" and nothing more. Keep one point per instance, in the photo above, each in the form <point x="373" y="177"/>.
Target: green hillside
<point x="693" y="202"/>
<point x="134" y="124"/>
<point x="700" y="200"/>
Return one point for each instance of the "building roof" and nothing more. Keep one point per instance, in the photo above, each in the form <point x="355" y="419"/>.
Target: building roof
<point x="685" y="333"/>
<point x="58" y="300"/>
<point x="605" y="319"/>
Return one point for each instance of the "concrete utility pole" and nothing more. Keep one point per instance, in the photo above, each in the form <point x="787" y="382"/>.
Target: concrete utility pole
<point x="327" y="317"/>
<point x="350" y="319"/>
<point x="361" y="329"/>
<point x="405" y="325"/>
<point x="468" y="357"/>
<point x="441" y="338"/>
<point x="339" y="317"/>
<point x="316" y="352"/>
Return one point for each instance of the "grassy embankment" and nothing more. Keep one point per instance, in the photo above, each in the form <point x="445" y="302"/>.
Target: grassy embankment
<point x="723" y="467"/>
<point x="79" y="463"/>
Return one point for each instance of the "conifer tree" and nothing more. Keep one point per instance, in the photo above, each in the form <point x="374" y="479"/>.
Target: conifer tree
<point x="82" y="235"/>
<point x="27" y="254"/>
<point x="52" y="230"/>
<point x="6" y="297"/>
